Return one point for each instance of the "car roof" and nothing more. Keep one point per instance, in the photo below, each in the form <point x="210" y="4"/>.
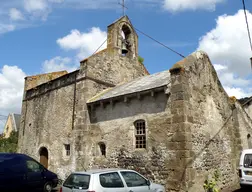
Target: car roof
<point x="13" y="155"/>
<point x="247" y="151"/>
<point x="95" y="171"/>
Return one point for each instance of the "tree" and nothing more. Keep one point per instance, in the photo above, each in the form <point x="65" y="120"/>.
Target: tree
<point x="9" y="144"/>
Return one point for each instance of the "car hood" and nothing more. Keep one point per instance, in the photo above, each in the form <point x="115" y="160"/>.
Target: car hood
<point x="156" y="187"/>
<point x="51" y="174"/>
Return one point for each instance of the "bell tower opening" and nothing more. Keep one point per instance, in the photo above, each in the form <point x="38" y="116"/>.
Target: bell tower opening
<point x="126" y="44"/>
<point x="122" y="39"/>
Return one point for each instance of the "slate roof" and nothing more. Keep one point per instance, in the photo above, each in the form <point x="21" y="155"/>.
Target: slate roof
<point x="245" y="101"/>
<point x="137" y="85"/>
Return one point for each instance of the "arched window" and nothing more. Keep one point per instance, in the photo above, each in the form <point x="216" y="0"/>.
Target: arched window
<point x="126" y="31"/>
<point x="140" y="134"/>
<point x="102" y="148"/>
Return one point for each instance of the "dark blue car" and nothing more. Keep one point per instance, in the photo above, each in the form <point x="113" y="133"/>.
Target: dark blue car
<point x="19" y="172"/>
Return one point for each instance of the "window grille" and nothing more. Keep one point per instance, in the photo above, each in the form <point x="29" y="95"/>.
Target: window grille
<point x="140" y="134"/>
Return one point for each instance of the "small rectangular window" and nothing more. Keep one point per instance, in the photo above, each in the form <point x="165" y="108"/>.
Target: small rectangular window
<point x="67" y="148"/>
<point x="140" y="134"/>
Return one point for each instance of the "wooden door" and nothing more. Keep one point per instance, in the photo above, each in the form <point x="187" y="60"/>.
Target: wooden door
<point x="44" y="157"/>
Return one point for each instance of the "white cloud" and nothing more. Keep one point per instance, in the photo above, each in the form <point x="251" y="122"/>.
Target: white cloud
<point x="219" y="67"/>
<point x="58" y="64"/>
<point x="35" y="5"/>
<point x="228" y="45"/>
<point x="37" y="8"/>
<point x="84" y="43"/>
<point x="40" y="8"/>
<point x="32" y="11"/>
<point x="233" y="84"/>
<point x="237" y="92"/>
<point x="15" y="14"/>
<point x="182" y="5"/>
<point x="228" y="78"/>
<point x="11" y="89"/>
<point x="4" y="28"/>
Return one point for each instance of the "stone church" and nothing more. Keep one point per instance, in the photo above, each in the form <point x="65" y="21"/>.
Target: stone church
<point x="175" y="127"/>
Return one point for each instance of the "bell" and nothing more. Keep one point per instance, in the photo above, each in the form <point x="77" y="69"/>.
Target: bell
<point x="124" y="48"/>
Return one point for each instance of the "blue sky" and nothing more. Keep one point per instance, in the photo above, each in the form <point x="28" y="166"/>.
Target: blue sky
<point x="38" y="36"/>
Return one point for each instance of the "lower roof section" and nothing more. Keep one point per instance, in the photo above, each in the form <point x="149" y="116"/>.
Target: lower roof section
<point x="137" y="85"/>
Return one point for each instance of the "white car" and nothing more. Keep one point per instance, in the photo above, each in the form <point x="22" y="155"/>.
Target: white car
<point x="245" y="168"/>
<point x="109" y="180"/>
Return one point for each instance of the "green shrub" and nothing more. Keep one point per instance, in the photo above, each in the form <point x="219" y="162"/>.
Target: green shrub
<point x="140" y="59"/>
<point x="211" y="184"/>
<point x="9" y="144"/>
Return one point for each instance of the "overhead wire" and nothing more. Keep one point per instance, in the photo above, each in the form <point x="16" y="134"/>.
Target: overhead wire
<point x="2" y="120"/>
<point x="149" y="38"/>
<point x="246" y="18"/>
<point x="99" y="47"/>
<point x="160" y="43"/>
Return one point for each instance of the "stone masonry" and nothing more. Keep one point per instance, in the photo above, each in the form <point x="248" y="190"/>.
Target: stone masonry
<point x="88" y="118"/>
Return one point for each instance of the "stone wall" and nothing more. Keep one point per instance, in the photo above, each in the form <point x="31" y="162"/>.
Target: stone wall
<point x="55" y="113"/>
<point x="36" y="80"/>
<point x="219" y="124"/>
<point x="113" y="68"/>
<point x="54" y="110"/>
<point x="113" y="125"/>
<point x="248" y="108"/>
<point x="46" y="121"/>
<point x="81" y="132"/>
<point x="193" y="127"/>
<point x="199" y="130"/>
<point x="110" y="65"/>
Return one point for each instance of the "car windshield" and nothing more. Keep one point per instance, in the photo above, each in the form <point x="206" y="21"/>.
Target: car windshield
<point x="248" y="160"/>
<point x="77" y="181"/>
